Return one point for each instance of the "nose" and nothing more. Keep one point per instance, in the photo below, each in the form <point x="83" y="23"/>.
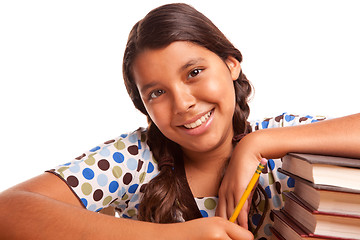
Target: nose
<point x="183" y="99"/>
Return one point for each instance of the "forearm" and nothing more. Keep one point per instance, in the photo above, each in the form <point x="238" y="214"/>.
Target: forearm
<point x="340" y="136"/>
<point x="43" y="218"/>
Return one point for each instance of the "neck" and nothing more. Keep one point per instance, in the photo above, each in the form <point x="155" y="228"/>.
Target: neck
<point x="204" y="170"/>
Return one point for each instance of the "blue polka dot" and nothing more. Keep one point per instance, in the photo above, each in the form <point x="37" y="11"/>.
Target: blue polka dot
<point x="268" y="191"/>
<point x="105" y="152"/>
<point x="123" y="135"/>
<point x="314" y="120"/>
<point x="131" y="163"/>
<point x="256" y="219"/>
<point x="289" y="118"/>
<point x="102" y="180"/>
<point x="276" y="201"/>
<point x="139" y="144"/>
<point x="265" y="124"/>
<point x="280" y="175"/>
<point x="94" y="149"/>
<point x="308" y="116"/>
<point x="134" y="198"/>
<point x="66" y="164"/>
<point x="132" y="188"/>
<point x="137" y="206"/>
<point x="75" y="168"/>
<point x="267" y="229"/>
<point x="291" y="182"/>
<point x="133" y="138"/>
<point x="271" y="164"/>
<point x="98" y="210"/>
<point x="125" y="216"/>
<point x="88" y="173"/>
<point x="121" y="192"/>
<point x="113" y="186"/>
<point x="204" y="213"/>
<point x="92" y="207"/>
<point x="146" y="154"/>
<point x="84" y="201"/>
<point x="118" y="157"/>
<point x="150" y="168"/>
<point x="261" y="180"/>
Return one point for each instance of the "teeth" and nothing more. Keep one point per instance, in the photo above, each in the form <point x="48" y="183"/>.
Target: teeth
<point x="199" y="121"/>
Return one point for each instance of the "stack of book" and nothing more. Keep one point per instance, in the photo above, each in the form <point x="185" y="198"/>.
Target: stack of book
<point x="325" y="203"/>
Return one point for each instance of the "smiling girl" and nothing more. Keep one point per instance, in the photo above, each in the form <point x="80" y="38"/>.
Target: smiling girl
<point x="182" y="176"/>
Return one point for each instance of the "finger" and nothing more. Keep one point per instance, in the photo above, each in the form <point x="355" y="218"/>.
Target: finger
<point x="236" y="232"/>
<point x="230" y="206"/>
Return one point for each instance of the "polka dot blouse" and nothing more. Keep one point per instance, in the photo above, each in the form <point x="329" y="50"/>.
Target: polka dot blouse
<point x="113" y="173"/>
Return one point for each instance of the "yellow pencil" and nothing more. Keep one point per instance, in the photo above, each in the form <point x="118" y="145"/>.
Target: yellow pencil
<point x="248" y="189"/>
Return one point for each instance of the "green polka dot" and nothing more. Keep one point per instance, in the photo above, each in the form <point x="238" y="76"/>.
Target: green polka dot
<point x="142" y="177"/>
<point x="60" y="170"/>
<point x="86" y="188"/>
<point x="62" y="175"/>
<point x="90" y="160"/>
<point x="119" y="145"/>
<point x="261" y="206"/>
<point x="131" y="212"/>
<point x="271" y="178"/>
<point x="117" y="172"/>
<point x="210" y="203"/>
<point x="125" y="197"/>
<point x="107" y="200"/>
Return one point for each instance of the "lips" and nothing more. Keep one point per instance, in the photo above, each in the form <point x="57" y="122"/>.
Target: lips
<point x="199" y="121"/>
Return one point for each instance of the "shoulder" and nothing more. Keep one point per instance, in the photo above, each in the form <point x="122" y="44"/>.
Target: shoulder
<point x="284" y="120"/>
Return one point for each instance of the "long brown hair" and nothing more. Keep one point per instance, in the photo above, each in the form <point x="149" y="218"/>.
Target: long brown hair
<point x="162" y="201"/>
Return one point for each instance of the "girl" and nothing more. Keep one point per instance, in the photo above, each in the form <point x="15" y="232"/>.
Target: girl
<point x="194" y="159"/>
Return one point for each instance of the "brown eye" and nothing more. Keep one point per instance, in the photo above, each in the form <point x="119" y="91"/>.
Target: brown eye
<point x="156" y="93"/>
<point x="194" y="73"/>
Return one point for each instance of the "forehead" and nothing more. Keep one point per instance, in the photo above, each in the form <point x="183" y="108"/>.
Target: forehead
<point x="172" y="58"/>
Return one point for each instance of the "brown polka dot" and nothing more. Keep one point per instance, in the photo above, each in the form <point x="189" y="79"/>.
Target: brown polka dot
<point x="72" y="181"/>
<point x="110" y="141"/>
<point x="103" y="164"/>
<point x="127" y="178"/>
<point x="133" y="149"/>
<point x="80" y="157"/>
<point x="278" y="187"/>
<point x="278" y="118"/>
<point x="139" y="165"/>
<point x="303" y="119"/>
<point x="98" y="194"/>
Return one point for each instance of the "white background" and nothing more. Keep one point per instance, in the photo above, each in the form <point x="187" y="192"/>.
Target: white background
<point x="62" y="93"/>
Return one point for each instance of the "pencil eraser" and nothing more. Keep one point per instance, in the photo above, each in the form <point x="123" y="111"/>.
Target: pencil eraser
<point x="263" y="161"/>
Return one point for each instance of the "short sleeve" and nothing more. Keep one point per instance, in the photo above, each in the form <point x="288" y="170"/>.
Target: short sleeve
<point x="112" y="172"/>
<point x="285" y="120"/>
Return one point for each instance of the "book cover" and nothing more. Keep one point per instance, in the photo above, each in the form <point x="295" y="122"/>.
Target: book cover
<point x="324" y="170"/>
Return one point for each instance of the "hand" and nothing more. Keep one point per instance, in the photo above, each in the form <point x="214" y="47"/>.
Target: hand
<point x="213" y="228"/>
<point x="242" y="165"/>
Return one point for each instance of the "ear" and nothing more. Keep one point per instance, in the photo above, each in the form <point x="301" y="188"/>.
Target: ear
<point x="234" y="67"/>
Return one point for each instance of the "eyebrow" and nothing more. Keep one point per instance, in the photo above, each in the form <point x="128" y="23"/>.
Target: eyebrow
<point x="189" y="63"/>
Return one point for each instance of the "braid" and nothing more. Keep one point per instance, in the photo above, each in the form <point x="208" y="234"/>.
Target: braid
<point x="162" y="202"/>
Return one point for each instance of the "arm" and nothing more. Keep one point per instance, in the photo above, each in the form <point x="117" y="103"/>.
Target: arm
<point x="339" y="136"/>
<point x="45" y="207"/>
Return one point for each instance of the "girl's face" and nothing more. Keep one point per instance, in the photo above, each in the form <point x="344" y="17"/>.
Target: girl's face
<point x="188" y="92"/>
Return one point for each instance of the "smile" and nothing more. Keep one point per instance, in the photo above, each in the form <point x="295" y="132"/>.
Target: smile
<point x="198" y="122"/>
